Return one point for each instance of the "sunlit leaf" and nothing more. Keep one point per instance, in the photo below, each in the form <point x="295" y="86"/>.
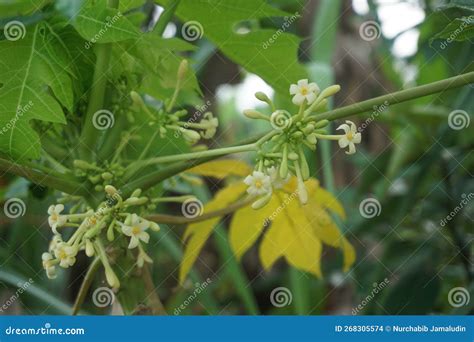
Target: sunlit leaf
<point x="196" y="234"/>
<point x="222" y="168"/>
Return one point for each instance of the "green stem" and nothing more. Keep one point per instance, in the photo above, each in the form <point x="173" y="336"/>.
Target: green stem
<point x="89" y="133"/>
<point x="130" y="171"/>
<point x="166" y="17"/>
<point x="155" y="177"/>
<point x="86" y="284"/>
<point x="51" y="179"/>
<point x="398" y="97"/>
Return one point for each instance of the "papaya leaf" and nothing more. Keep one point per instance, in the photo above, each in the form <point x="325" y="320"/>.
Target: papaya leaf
<point x="98" y="23"/>
<point x="197" y="234"/>
<point x="14" y="8"/>
<point x="459" y="29"/>
<point x="36" y="84"/>
<point x="258" y="51"/>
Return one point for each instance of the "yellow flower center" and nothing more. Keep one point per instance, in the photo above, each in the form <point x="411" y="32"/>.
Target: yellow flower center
<point x="54" y="217"/>
<point x="304" y="91"/>
<point x="350" y="136"/>
<point x="62" y="254"/>
<point x="258" y="184"/>
<point x="136" y="230"/>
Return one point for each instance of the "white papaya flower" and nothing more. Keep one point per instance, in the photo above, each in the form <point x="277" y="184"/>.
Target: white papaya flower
<point x="258" y="183"/>
<point x="55" y="218"/>
<point x="350" y="137"/>
<point x="304" y="91"/>
<point x="136" y="230"/>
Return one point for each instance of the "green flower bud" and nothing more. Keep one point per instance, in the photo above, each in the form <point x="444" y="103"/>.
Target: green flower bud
<point x="107" y="176"/>
<point x="321" y="124"/>
<point x="253" y="114"/>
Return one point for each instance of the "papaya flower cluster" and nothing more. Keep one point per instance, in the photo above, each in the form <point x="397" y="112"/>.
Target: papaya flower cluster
<point x="166" y="120"/>
<point x="116" y="223"/>
<point x="281" y="154"/>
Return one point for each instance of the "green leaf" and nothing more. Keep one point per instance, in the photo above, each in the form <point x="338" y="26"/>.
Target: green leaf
<point x="35" y="84"/>
<point x="13" y="8"/>
<point x="269" y="53"/>
<point x="459" y="29"/>
<point x="100" y="24"/>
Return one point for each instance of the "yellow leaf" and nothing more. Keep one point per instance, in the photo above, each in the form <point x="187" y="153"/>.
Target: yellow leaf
<point x="196" y="234"/>
<point x="222" y="168"/>
<point x="291" y="236"/>
<point x="326" y="230"/>
<point x="246" y="226"/>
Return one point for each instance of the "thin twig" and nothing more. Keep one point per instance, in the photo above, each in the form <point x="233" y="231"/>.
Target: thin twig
<point x="170" y="219"/>
<point x="86" y="284"/>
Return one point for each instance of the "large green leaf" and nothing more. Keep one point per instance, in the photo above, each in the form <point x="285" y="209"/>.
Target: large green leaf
<point x="459" y="29"/>
<point x="11" y="8"/>
<point x="98" y="23"/>
<point x="268" y="53"/>
<point x="35" y="83"/>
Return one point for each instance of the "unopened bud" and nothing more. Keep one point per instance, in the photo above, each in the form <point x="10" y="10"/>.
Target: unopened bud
<point x="253" y="114"/>
<point x="183" y="69"/>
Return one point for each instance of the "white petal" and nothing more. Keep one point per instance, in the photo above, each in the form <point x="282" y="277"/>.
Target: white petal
<point x="249" y="180"/>
<point x="127" y="230"/>
<point x="145" y="237"/>
<point x="313" y="87"/>
<point x="303" y="83"/>
<point x="353" y="126"/>
<point x="252" y="190"/>
<point x="345" y="127"/>
<point x="357" y="138"/>
<point x="298" y="99"/>
<point x="135" y="220"/>
<point x="343" y="142"/>
<point x="133" y="242"/>
<point x="352" y="149"/>
<point x="311" y="97"/>
<point x="59" y="208"/>
<point x="51" y="209"/>
<point x="293" y="89"/>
